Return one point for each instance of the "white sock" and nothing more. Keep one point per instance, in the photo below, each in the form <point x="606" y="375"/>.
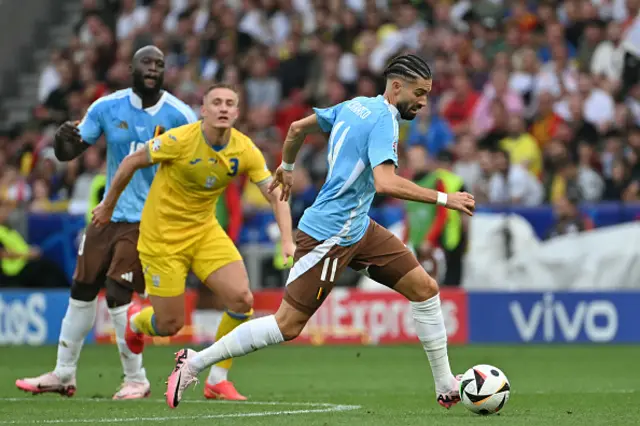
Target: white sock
<point x="131" y="363"/>
<point x="433" y="335"/>
<point x="76" y="324"/>
<point x="245" y="338"/>
<point x="205" y="324"/>
<point x="217" y="375"/>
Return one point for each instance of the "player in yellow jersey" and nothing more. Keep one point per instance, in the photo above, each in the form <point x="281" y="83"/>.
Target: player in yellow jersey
<point x="179" y="231"/>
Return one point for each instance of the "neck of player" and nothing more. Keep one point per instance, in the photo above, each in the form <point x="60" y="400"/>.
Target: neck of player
<point x="216" y="136"/>
<point x="388" y="96"/>
<point x="148" y="99"/>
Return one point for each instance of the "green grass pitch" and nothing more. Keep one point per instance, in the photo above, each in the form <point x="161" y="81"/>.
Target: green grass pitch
<point x="333" y="386"/>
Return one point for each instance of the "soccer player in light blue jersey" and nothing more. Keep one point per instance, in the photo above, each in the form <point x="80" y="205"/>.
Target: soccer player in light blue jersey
<point x="336" y="231"/>
<point x="108" y="256"/>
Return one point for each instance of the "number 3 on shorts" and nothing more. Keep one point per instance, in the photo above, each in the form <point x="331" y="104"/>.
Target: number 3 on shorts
<point x="325" y="269"/>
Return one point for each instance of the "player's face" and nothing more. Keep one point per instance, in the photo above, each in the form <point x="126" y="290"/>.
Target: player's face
<point x="220" y="108"/>
<point x="148" y="72"/>
<point x="412" y="97"/>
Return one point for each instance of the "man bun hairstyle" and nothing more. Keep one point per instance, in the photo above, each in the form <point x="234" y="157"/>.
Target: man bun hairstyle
<point x="408" y="67"/>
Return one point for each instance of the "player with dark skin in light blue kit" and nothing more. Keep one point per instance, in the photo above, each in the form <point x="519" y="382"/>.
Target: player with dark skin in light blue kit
<point x="108" y="257"/>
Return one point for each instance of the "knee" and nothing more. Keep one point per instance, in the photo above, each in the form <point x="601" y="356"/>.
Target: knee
<point x="117" y="294"/>
<point x="168" y="325"/>
<point x="84" y="292"/>
<point x="242" y="302"/>
<point x="424" y="288"/>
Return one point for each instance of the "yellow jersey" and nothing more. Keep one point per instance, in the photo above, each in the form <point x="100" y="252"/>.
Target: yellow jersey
<point x="524" y="149"/>
<point x="181" y="203"/>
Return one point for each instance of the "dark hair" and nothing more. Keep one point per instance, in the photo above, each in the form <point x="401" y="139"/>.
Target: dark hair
<point x="573" y="194"/>
<point x="94" y="14"/>
<point x="497" y="150"/>
<point x="410" y="67"/>
<point x="219" y="86"/>
<point x="186" y="14"/>
<point x="445" y="156"/>
<point x="613" y="133"/>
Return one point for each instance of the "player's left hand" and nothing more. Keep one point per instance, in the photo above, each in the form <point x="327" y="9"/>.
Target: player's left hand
<point x="462" y="202"/>
<point x="284" y="178"/>
<point x="101" y="215"/>
<point x="288" y="250"/>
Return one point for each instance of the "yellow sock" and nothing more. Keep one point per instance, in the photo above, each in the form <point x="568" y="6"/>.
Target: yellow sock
<point x="145" y="322"/>
<point x="229" y="321"/>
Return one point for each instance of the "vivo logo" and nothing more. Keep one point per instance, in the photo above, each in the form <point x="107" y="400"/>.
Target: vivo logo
<point x="548" y="312"/>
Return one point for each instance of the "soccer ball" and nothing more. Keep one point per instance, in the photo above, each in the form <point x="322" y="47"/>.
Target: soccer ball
<point x="484" y="389"/>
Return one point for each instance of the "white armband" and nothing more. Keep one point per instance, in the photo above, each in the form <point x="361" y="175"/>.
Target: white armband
<point x="442" y="199"/>
<point x="287" y="166"/>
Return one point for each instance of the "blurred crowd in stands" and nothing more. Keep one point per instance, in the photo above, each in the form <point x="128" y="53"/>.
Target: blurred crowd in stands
<point x="532" y="101"/>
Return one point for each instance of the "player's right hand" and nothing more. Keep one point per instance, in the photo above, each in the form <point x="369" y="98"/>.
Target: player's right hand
<point x="68" y="132"/>
<point x="461" y="201"/>
<point x="284" y="178"/>
<point x="101" y="215"/>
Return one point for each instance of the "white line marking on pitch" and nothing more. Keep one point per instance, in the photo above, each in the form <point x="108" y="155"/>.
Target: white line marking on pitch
<point x="56" y="398"/>
<point x="322" y="408"/>
<point x="589" y="391"/>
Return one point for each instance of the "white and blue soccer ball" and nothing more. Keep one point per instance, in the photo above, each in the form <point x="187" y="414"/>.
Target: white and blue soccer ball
<point x="484" y="389"/>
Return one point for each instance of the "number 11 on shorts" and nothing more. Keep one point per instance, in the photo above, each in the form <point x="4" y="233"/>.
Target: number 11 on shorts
<point x="325" y="269"/>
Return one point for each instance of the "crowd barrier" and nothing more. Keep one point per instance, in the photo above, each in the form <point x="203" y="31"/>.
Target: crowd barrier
<point x="541" y="218"/>
<point x="351" y="316"/>
<point x="57" y="234"/>
<point x="554" y="317"/>
<point x="32" y="318"/>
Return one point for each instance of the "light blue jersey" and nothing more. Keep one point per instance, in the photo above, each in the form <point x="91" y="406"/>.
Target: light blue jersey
<point x="126" y="127"/>
<point x="364" y="134"/>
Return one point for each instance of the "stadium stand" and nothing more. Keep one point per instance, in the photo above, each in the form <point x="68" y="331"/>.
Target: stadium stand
<point x="553" y="84"/>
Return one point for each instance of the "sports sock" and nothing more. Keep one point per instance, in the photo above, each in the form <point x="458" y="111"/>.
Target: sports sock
<point x="246" y="338"/>
<point x="433" y="335"/>
<point x="217" y="374"/>
<point x="205" y="324"/>
<point x="76" y="324"/>
<point x="131" y="363"/>
<point x="230" y="320"/>
<point x="144" y="322"/>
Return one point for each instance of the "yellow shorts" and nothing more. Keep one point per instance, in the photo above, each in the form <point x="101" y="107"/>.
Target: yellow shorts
<point x="165" y="275"/>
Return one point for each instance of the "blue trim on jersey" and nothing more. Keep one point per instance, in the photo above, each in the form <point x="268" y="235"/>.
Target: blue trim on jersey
<point x="237" y="316"/>
<point x="216" y="148"/>
<point x="154" y="327"/>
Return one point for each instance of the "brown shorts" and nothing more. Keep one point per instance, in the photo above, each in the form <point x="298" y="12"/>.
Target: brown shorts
<point x="110" y="252"/>
<point x="317" y="264"/>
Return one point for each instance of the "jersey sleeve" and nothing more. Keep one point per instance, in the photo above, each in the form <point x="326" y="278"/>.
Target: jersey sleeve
<point x="90" y="127"/>
<point x="257" y="169"/>
<point x="164" y="148"/>
<point x="383" y="141"/>
<point x="327" y="116"/>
